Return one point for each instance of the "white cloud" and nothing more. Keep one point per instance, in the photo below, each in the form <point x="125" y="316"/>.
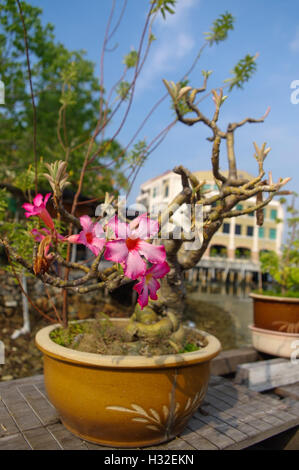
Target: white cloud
<point x="294" y="45"/>
<point x="182" y="9"/>
<point x="174" y="42"/>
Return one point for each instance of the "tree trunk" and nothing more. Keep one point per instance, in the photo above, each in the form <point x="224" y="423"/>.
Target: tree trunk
<point x="162" y="318"/>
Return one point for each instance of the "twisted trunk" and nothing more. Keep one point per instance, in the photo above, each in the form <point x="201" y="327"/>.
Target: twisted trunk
<point x="162" y="318"/>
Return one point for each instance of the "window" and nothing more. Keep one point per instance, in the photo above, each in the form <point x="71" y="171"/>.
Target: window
<point x="239" y="207"/>
<point x="273" y="214"/>
<point x="154" y="192"/>
<point x="261" y="232"/>
<point x="272" y="233"/>
<point x="206" y="186"/>
<point x="250" y="231"/>
<point x="251" y="214"/>
<point x="225" y="228"/>
<point x="166" y="191"/>
<point x="238" y="229"/>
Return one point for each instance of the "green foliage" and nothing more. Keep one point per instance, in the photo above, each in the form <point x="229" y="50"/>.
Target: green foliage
<point x="4" y="201"/>
<point x="220" y="29"/>
<point x="284" y="268"/>
<point x="66" y="336"/>
<point x="130" y="60"/>
<point x="67" y="96"/>
<point x="164" y="6"/>
<point x="242" y="72"/>
<point x="138" y="154"/>
<point x="123" y="90"/>
<point x="190" y="347"/>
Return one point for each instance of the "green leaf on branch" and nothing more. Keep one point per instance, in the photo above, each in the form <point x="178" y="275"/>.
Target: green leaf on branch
<point x="130" y="60"/>
<point x="123" y="90"/>
<point x="138" y="154"/>
<point x="220" y="29"/>
<point x="164" y="6"/>
<point x="242" y="72"/>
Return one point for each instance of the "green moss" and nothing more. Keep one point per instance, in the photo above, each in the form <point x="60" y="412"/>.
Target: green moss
<point x="66" y="336"/>
<point x="189" y="347"/>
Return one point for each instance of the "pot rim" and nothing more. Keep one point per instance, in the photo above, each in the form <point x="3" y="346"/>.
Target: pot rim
<point x="62" y="353"/>
<point x="273" y="332"/>
<point x="274" y="298"/>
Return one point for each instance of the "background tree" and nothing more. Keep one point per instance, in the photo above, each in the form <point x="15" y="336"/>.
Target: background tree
<point x="66" y="97"/>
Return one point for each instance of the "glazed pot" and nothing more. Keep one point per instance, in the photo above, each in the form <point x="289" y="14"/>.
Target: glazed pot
<point x="276" y="343"/>
<point x="276" y="313"/>
<point x="125" y="401"/>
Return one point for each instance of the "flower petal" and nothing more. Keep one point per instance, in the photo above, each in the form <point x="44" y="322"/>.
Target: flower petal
<point x="153" y="286"/>
<point x="98" y="231"/>
<point x="96" y="250"/>
<point x="38" y="200"/>
<point x="28" y="207"/>
<point x="140" y="285"/>
<point x="120" y="229"/>
<point x="153" y="253"/>
<point x="116" y="250"/>
<point x="144" y="227"/>
<point x="143" y="297"/>
<point x="86" y="223"/>
<point x="159" y="270"/>
<point x="135" y="266"/>
<point x="73" y="238"/>
<point x="99" y="243"/>
<point x="47" y="197"/>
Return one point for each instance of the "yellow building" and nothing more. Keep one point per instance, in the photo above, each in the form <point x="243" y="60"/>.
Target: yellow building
<point x="239" y="237"/>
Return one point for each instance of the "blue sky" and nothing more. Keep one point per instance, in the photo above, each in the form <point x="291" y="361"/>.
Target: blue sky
<point x="269" y="28"/>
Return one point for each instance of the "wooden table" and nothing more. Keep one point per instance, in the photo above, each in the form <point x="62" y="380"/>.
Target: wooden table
<point x="231" y="417"/>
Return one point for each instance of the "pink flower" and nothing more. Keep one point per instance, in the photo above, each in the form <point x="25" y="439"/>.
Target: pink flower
<point x="148" y="284"/>
<point x="39" y="208"/>
<point x="92" y="235"/>
<point x="39" y="235"/>
<point x="130" y="245"/>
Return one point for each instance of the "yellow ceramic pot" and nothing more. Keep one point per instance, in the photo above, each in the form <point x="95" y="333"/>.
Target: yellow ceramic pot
<point x="125" y="401"/>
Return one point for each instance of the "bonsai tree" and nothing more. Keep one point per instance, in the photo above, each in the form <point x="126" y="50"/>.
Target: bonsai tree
<point x="284" y="268"/>
<point x="155" y="253"/>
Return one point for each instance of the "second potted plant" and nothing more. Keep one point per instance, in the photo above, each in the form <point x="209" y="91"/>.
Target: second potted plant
<point x="276" y="312"/>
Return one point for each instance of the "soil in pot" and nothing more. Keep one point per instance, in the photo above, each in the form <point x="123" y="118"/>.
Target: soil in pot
<point x="105" y="337"/>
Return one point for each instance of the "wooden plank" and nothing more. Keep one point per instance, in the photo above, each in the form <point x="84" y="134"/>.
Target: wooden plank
<point x="65" y="438"/>
<point x="34" y="379"/>
<point x="243" y="413"/>
<point x="291" y="391"/>
<point x="231" y="420"/>
<point x="91" y="446"/>
<point x="224" y="428"/>
<point x="178" y="444"/>
<point x="214" y="380"/>
<point x="196" y="441"/>
<point x="39" y="404"/>
<point x="265" y="375"/>
<point x="211" y="434"/>
<point x="273" y="405"/>
<point x="227" y="361"/>
<point x="266" y="434"/>
<point x="7" y="424"/>
<point x="41" y="439"/>
<point x="14" y="442"/>
<point x="175" y="444"/>
<point x="19" y="410"/>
